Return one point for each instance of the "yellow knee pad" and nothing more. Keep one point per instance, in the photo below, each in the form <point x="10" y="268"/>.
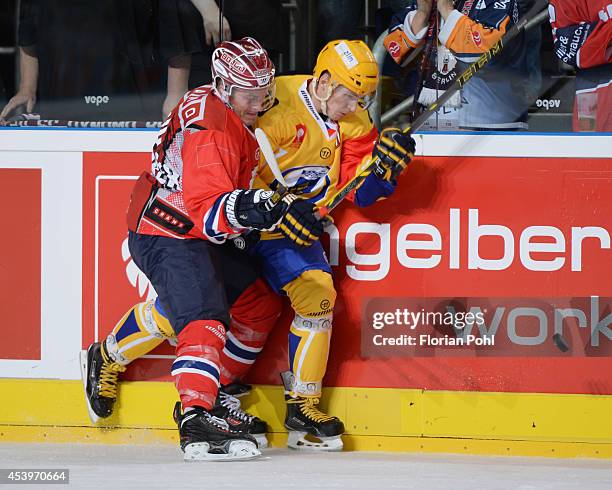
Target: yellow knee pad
<point x="140" y="330"/>
<point x="312" y="294"/>
<point x="313" y="297"/>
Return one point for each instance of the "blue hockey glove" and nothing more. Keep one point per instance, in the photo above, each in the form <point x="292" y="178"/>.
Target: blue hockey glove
<point x="394" y="149"/>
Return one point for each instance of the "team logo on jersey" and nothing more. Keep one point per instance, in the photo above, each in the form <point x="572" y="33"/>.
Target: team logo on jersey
<point x="325" y="152"/>
<point x="476" y="37"/>
<point x="217" y="329"/>
<point x="307" y="179"/>
<point x="257" y="155"/>
<point x="394" y="49"/>
<point x="300" y="134"/>
<point x="239" y="242"/>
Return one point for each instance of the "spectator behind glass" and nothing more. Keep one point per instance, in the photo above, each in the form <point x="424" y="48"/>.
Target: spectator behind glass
<point x="498" y="97"/>
<point x="84" y="60"/>
<point x="339" y="19"/>
<point x="187" y="44"/>
<point x="181" y="36"/>
<point x="582" y="33"/>
<point x="7" y="42"/>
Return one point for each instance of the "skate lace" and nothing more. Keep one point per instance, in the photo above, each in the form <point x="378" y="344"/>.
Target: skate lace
<point x="233" y="406"/>
<point x="108" y="378"/>
<point x="308" y="407"/>
<point x="218" y="422"/>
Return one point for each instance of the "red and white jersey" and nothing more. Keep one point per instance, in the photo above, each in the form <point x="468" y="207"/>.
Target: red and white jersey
<point x="202" y="154"/>
<point x="582" y="31"/>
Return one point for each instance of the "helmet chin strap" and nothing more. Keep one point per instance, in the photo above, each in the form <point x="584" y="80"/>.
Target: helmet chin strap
<point x="322" y="100"/>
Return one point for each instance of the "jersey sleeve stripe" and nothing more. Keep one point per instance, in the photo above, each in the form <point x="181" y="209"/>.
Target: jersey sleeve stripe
<point x="212" y="229"/>
<point x="449" y="25"/>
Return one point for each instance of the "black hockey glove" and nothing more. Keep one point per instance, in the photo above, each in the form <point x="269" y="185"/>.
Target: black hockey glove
<point x="301" y="224"/>
<point x="255" y="209"/>
<point x="394" y="150"/>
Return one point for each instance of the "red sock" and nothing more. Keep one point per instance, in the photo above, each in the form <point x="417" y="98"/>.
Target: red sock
<point x="196" y="368"/>
<point x="254" y="314"/>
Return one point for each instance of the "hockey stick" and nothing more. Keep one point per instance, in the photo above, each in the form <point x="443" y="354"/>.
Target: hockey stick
<point x="457" y="85"/>
<point x="431" y="38"/>
<point x="268" y="153"/>
<point x="266" y="148"/>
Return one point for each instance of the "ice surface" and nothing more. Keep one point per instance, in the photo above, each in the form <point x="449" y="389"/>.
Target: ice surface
<point x="97" y="466"/>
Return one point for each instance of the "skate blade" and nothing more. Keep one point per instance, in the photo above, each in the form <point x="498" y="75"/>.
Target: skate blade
<point x="297" y="440"/>
<point x="83" y="360"/>
<point x="236" y="451"/>
<point x="262" y="440"/>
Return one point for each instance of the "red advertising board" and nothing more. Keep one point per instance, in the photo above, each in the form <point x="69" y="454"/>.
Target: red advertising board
<point x="20" y="265"/>
<point x="111" y="282"/>
<point x="455" y="228"/>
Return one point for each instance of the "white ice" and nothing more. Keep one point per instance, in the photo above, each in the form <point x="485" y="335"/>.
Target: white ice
<point x="97" y="466"/>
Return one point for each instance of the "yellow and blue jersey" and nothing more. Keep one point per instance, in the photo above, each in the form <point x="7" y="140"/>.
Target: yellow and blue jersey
<point x="316" y="156"/>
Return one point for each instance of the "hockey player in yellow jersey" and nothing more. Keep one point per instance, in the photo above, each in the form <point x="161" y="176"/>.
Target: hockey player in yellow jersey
<point x="322" y="135"/>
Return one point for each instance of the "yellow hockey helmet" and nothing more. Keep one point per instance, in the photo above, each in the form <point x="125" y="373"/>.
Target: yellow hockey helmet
<point x="350" y="63"/>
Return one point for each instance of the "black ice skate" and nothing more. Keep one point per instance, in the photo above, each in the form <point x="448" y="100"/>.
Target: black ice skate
<point x="228" y="408"/>
<point x="205" y="437"/>
<point x="99" y="373"/>
<point x="310" y="428"/>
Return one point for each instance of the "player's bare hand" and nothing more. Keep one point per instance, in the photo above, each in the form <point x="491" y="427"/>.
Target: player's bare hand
<point x="20" y="98"/>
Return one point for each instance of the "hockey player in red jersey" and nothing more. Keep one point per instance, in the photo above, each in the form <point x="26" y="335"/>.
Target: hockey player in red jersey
<point x="582" y="33"/>
<point x="179" y="218"/>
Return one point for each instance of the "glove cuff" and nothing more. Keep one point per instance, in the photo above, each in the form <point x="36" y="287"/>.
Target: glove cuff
<point x="381" y="171"/>
<point x="230" y="209"/>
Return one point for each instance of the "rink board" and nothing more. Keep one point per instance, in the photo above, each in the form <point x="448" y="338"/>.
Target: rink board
<point x="376" y="419"/>
<point x="67" y="278"/>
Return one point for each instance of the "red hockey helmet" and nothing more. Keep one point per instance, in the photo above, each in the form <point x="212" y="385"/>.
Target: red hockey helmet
<point x="244" y="64"/>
